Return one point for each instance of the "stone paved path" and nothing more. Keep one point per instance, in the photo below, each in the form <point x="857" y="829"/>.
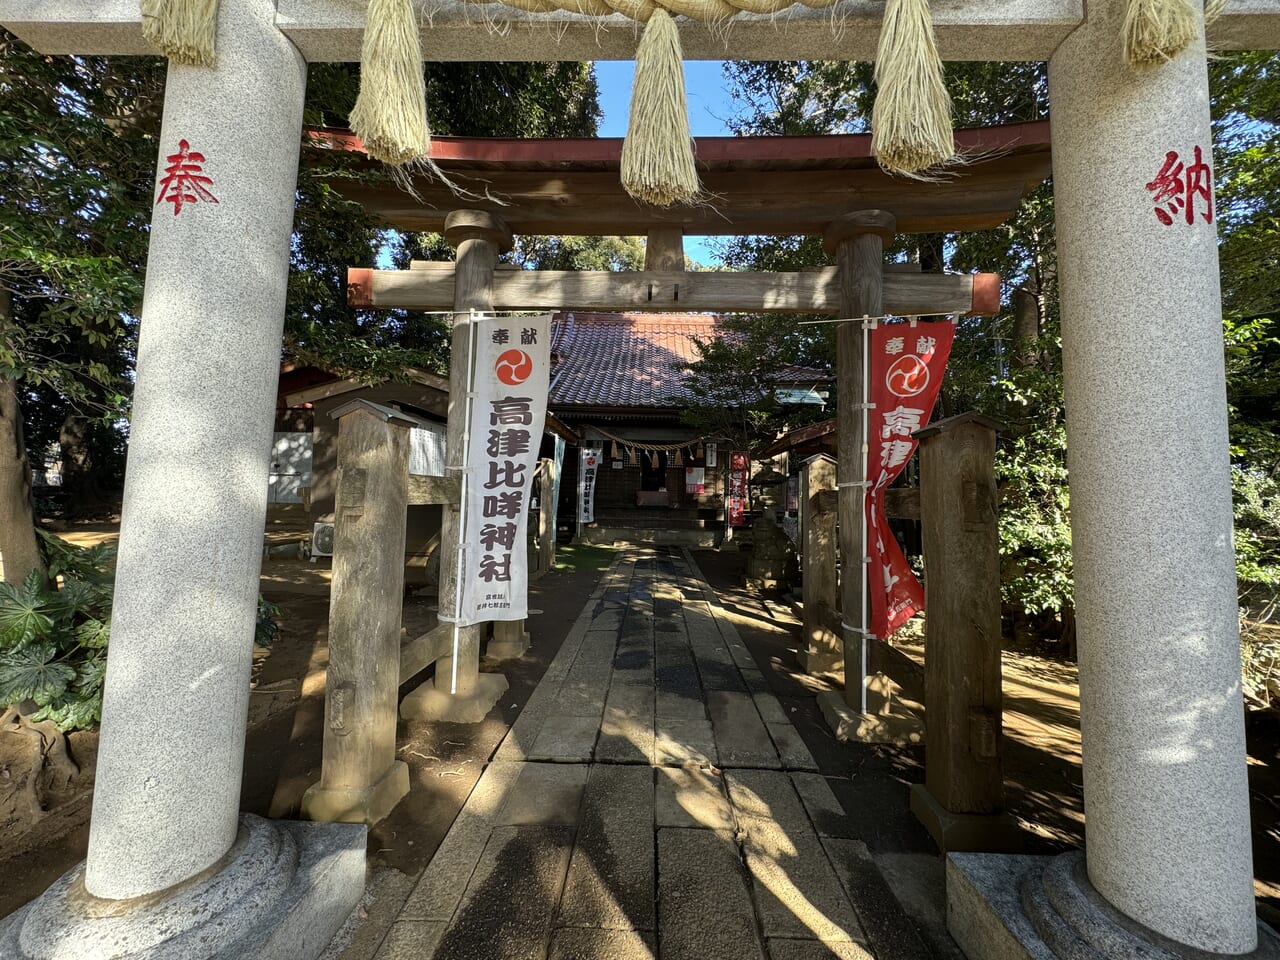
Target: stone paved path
<point x="651" y="801"/>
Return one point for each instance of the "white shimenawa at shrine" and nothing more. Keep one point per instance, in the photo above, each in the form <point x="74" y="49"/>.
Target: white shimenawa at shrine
<point x="173" y="869"/>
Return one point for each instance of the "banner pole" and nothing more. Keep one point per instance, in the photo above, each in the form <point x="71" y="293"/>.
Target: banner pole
<point x="462" y="505"/>
<point x="866" y="492"/>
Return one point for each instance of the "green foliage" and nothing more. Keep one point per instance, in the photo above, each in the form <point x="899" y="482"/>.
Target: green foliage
<point x="735" y="380"/>
<point x="1257" y="511"/>
<point x="1035" y="530"/>
<point x="78" y="143"/>
<point x="267" y="627"/>
<point x="53" y="638"/>
<point x="498" y="99"/>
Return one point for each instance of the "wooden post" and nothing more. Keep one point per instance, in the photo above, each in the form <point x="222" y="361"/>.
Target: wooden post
<point x="547" y="519"/>
<point x="823" y="651"/>
<point x="479" y="238"/>
<point x="962" y="798"/>
<point x="360" y="778"/>
<point x="857" y="241"/>
<point x="664" y="249"/>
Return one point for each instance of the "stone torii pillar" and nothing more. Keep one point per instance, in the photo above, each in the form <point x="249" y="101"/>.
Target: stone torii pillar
<point x="479" y="238"/>
<point x="169" y="854"/>
<point x="1167" y="869"/>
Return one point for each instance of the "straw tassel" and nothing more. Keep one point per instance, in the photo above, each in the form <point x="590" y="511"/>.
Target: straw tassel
<point x="1156" y="31"/>
<point x="390" y="115"/>
<point x="183" y="30"/>
<point x="613" y="452"/>
<point x="911" y="119"/>
<point x="1213" y="10"/>
<point x="657" y="156"/>
<point x="679" y="460"/>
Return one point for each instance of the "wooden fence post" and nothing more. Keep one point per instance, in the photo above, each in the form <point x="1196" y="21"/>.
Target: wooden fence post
<point x="961" y="802"/>
<point x="823" y="651"/>
<point x="547" y="519"/>
<point x="360" y="778"/>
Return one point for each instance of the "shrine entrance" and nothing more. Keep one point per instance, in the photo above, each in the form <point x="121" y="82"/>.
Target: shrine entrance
<point x="1169" y="866"/>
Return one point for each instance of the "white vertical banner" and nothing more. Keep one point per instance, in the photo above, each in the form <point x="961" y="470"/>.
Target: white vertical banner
<point x="508" y="416"/>
<point x="588" y="464"/>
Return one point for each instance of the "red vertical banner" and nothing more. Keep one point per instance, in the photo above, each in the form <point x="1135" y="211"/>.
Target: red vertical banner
<point x="907" y="362"/>
<point x="739" y="469"/>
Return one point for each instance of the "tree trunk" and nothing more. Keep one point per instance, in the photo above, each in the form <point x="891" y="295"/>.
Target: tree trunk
<point x="1026" y="329"/>
<point x="19" y="550"/>
<point x="80" y="486"/>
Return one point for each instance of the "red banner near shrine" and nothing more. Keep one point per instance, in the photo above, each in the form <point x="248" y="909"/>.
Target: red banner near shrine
<point x="739" y="469"/>
<point x="906" y="368"/>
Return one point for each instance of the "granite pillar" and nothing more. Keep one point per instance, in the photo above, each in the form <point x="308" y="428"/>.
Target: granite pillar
<point x="1166" y="798"/>
<point x="172" y="868"/>
<point x="1161" y="711"/>
<point x="167" y="794"/>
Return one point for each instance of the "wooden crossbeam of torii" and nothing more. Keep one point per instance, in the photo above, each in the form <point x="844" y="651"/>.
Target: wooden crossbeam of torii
<point x="430" y="286"/>
<point x="455" y="30"/>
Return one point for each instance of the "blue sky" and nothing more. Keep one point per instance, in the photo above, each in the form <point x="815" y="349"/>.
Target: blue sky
<point x="709" y="106"/>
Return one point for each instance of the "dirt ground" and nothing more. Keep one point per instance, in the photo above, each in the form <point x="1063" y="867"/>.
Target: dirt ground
<point x="1041" y="725"/>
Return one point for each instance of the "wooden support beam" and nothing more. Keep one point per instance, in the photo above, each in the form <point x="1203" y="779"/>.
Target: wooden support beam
<point x="547" y="518"/>
<point x="857" y="242"/>
<point x="424" y="650"/>
<point x="434" y="490"/>
<point x="431" y="287"/>
<point x="479" y="238"/>
<point x="902" y="503"/>
<point x="360" y="777"/>
<point x="822" y="652"/>
<point x="664" y="249"/>
<point x="882" y="657"/>
<point x="962" y="635"/>
<point x="885" y="658"/>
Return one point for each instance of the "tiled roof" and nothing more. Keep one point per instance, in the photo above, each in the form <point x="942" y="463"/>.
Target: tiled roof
<point x="629" y="360"/>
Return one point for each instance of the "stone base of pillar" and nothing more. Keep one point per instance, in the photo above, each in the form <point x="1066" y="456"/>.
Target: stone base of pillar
<point x="369" y="805"/>
<point x="281" y="893"/>
<point x="964" y="832"/>
<point x="1004" y="907"/>
<point x="817" y="662"/>
<point x="510" y="640"/>
<point x="898" y="724"/>
<point x="428" y="703"/>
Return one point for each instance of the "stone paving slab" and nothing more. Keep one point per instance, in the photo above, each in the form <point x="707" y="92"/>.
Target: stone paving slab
<point x="888" y="938"/>
<point x="797" y="892"/>
<point x="825" y="812"/>
<point x="605" y="827"/>
<point x="611" y="877"/>
<point x="411" y="939"/>
<point x="566" y="739"/>
<point x="578" y="943"/>
<point x="690" y="797"/>
<point x="781" y="949"/>
<point x="741" y="737"/>
<point x="508" y="905"/>
<point x="704" y="905"/>
<point x="684" y="743"/>
<point x="544" y="793"/>
<point x="790" y="747"/>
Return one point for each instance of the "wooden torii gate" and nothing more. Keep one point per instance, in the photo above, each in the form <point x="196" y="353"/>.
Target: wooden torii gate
<point x="795" y="185"/>
<point x="1169" y="867"/>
